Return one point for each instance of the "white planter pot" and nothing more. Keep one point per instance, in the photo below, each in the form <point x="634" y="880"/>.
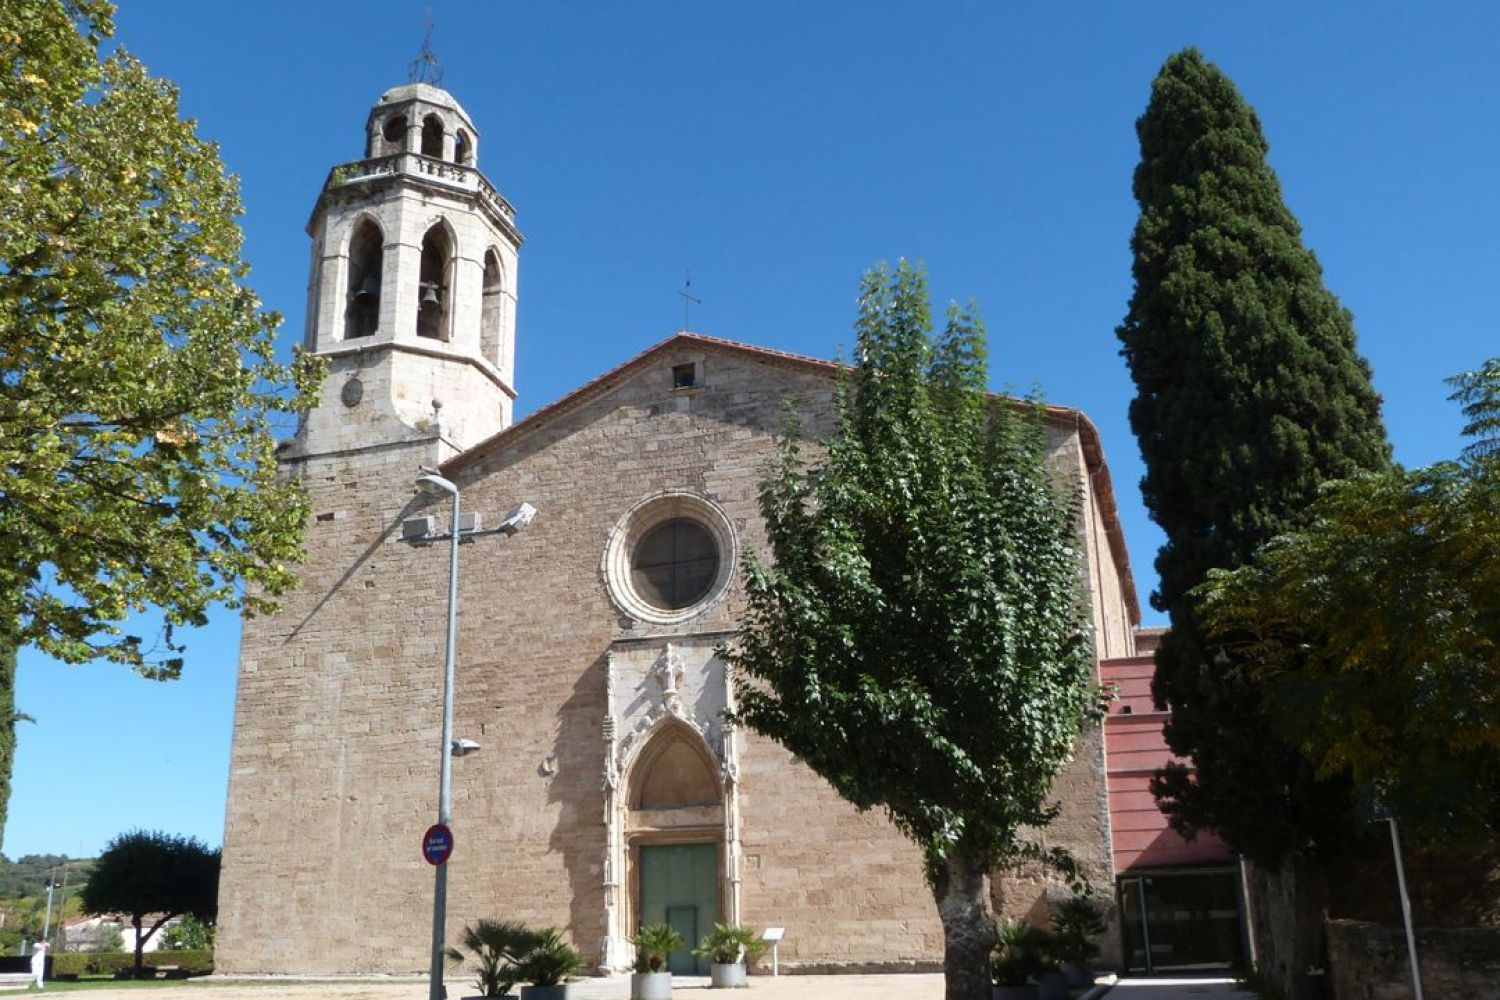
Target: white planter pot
<point x="651" y="986"/>
<point x="722" y="976"/>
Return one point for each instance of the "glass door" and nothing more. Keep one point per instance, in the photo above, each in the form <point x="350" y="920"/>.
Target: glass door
<point x="1181" y="921"/>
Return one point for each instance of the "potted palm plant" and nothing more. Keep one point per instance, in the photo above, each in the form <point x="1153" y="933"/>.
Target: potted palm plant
<point x="495" y="947"/>
<point x="1016" y="960"/>
<point x="728" y="948"/>
<point x="547" y="966"/>
<point x="651" y="979"/>
<point x="1077" y="921"/>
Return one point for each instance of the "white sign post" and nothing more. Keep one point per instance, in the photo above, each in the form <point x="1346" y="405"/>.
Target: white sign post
<point x="773" y="936"/>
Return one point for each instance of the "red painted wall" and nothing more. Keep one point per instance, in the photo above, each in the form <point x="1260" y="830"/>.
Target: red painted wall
<point x="1134" y="747"/>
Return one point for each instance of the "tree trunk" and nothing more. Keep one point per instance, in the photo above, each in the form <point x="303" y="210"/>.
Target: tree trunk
<point x="140" y="946"/>
<point x="968" y="929"/>
<point x="1290" y="904"/>
<point x="7" y="722"/>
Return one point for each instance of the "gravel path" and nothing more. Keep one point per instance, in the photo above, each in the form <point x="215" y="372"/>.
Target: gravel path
<point x="888" y="987"/>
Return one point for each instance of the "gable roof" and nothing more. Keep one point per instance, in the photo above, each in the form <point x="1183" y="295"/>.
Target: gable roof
<point x="1058" y="416"/>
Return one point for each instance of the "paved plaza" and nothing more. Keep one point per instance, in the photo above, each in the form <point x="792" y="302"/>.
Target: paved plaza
<point x="888" y="987"/>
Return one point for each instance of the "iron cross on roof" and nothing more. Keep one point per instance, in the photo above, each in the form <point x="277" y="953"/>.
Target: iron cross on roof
<point x="688" y="301"/>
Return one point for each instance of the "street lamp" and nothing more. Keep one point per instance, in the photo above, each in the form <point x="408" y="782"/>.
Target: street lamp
<point x="430" y="484"/>
<point x="47" y="923"/>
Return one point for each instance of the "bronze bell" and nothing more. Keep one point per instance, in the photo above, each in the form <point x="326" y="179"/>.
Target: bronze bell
<point x="430" y="297"/>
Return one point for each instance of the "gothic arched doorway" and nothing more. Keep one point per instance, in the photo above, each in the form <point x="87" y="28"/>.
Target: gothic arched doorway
<point x="674" y="829"/>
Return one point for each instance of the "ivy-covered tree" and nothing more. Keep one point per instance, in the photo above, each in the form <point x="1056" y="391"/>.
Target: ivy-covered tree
<point x="153" y="874"/>
<point x="1375" y="629"/>
<point x="137" y="378"/>
<point x="919" y="638"/>
<point x="1249" y="396"/>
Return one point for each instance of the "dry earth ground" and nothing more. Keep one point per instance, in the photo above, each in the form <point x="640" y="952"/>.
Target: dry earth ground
<point x="889" y="987"/>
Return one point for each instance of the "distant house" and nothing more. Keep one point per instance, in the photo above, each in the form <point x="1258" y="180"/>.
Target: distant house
<point x="111" y="932"/>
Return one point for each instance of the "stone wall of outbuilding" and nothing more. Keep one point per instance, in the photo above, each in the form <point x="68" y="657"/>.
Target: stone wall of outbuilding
<point x="1370" y="962"/>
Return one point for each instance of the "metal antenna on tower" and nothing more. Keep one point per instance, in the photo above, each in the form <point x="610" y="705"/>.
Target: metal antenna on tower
<point x="688" y="301"/>
<point x="426" y="68"/>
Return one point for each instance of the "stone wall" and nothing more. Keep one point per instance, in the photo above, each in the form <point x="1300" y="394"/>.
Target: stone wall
<point x="1369" y="962"/>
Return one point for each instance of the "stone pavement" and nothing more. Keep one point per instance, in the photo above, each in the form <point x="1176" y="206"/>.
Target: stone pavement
<point x="886" y="987"/>
<point x="1178" y="989"/>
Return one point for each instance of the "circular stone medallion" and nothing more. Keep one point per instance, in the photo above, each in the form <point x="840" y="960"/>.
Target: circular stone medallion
<point x="353" y="392"/>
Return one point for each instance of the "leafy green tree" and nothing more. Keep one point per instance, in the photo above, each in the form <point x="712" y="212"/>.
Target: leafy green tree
<point x="188" y="934"/>
<point x="157" y="875"/>
<point x="1375" y="629"/>
<point x="919" y="639"/>
<point x="1478" y="392"/>
<point x="1250" y="395"/>
<point x="137" y="378"/>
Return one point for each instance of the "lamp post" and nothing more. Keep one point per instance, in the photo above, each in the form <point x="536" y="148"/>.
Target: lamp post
<point x="47" y="923"/>
<point x="432" y="484"/>
<point x="445" y="779"/>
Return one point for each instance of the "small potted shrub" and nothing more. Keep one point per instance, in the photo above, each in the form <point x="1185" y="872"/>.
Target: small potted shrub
<point x="547" y="966"/>
<point x="496" y="948"/>
<point x="651" y="979"/>
<point x="1016" y="960"/>
<point x="728" y="948"/>
<point x="1077" y="921"/>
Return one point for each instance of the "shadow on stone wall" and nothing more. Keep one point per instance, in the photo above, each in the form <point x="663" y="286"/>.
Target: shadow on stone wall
<point x="577" y="763"/>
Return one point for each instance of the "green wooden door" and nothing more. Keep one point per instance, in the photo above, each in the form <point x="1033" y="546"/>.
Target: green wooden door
<point x="680" y="887"/>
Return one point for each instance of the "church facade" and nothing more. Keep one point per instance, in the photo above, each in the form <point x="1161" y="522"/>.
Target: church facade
<point x="609" y="792"/>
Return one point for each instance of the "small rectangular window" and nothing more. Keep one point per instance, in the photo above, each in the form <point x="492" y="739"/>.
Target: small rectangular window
<point x="684" y="376"/>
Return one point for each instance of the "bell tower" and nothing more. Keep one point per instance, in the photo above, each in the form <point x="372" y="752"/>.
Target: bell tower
<point x="412" y="291"/>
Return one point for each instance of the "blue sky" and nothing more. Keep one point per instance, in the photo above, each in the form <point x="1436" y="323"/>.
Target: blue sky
<point x="775" y="150"/>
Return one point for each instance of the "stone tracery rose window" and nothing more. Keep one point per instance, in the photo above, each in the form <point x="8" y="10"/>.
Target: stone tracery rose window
<point x="674" y="564"/>
<point x="669" y="558"/>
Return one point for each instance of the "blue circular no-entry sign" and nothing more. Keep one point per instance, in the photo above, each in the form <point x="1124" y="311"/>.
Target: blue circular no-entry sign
<point x="437" y="844"/>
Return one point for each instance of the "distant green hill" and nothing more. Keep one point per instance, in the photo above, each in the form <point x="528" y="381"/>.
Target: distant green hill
<point x="28" y="875"/>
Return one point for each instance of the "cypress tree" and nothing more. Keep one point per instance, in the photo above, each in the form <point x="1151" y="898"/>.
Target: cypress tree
<point x="1250" y="395"/>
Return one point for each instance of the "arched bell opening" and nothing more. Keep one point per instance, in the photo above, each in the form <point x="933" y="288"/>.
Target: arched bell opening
<point x="492" y="311"/>
<point x="463" y="149"/>
<point x="432" y="136"/>
<point x="393" y="132"/>
<point x="434" y="284"/>
<point x="366" y="265"/>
